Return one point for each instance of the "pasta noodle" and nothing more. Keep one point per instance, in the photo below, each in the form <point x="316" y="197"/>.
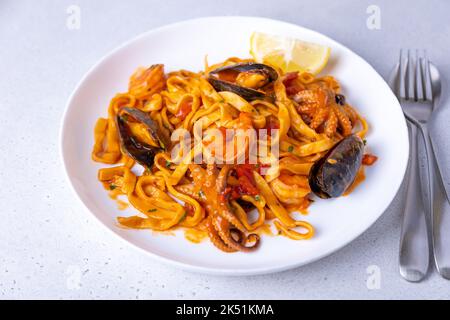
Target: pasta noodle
<point x="307" y="120"/>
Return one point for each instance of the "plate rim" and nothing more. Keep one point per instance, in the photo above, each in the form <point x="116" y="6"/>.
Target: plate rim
<point x="226" y="271"/>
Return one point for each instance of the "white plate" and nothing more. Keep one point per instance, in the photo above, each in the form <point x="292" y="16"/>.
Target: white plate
<point x="184" y="45"/>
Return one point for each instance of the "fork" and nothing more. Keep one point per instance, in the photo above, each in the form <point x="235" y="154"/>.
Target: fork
<point x="416" y="89"/>
<point x="414" y="239"/>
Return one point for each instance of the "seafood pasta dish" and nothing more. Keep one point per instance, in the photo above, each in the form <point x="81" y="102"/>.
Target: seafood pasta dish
<point x="230" y="152"/>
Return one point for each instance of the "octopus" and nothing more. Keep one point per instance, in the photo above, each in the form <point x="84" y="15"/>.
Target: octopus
<point x="224" y="229"/>
<point x="325" y="112"/>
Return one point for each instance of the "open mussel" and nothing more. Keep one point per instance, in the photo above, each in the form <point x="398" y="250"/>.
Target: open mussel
<point x="332" y="174"/>
<point x="245" y="79"/>
<point x="140" y="136"/>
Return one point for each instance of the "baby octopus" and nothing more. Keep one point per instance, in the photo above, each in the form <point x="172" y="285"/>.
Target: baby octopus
<point x="224" y="229"/>
<point x="325" y="111"/>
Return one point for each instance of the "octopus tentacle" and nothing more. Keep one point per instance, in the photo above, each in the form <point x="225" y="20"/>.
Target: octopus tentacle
<point x="211" y="175"/>
<point x="344" y="121"/>
<point x="216" y="239"/>
<point x="223" y="205"/>
<point x="319" y="117"/>
<point x="331" y="124"/>
<point x="228" y="215"/>
<point x="352" y="115"/>
<point x="306" y="103"/>
<point x="221" y="182"/>
<point x="307" y="109"/>
<point x="222" y="227"/>
<point x="251" y="238"/>
<point x="306" y="97"/>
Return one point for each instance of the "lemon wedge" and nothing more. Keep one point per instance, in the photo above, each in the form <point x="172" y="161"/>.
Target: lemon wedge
<point x="288" y="54"/>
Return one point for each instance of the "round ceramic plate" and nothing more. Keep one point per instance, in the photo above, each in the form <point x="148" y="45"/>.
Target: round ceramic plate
<point x="184" y="46"/>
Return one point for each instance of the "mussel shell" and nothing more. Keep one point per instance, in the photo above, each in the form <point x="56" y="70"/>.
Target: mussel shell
<point x="140" y="151"/>
<point x="249" y="66"/>
<point x="248" y="94"/>
<point x="332" y="174"/>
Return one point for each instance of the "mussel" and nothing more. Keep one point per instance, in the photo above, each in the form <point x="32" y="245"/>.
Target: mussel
<point x="140" y="147"/>
<point x="245" y="79"/>
<point x="332" y="174"/>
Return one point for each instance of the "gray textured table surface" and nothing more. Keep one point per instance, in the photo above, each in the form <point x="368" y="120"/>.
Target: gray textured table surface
<point x="50" y="247"/>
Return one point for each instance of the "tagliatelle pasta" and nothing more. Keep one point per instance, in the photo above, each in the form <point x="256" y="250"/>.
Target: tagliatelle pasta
<point x="225" y="196"/>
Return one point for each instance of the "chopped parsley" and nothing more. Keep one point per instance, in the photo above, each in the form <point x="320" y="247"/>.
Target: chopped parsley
<point x="183" y="217"/>
<point x="365" y="142"/>
<point x="257" y="197"/>
<point x="168" y="163"/>
<point x="201" y="194"/>
<point x="291" y="148"/>
<point x="112" y="186"/>
<point x="124" y="117"/>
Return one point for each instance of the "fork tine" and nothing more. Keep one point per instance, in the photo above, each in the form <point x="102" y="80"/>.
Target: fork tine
<point x="420" y="81"/>
<point x="427" y="79"/>
<point x="410" y="85"/>
<point x="401" y="77"/>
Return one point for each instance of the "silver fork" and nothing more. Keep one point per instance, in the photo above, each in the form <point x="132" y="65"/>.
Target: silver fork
<point x="414" y="249"/>
<point x="417" y="84"/>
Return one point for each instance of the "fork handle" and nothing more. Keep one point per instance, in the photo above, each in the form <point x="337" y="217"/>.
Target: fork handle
<point x="439" y="207"/>
<point x="414" y="249"/>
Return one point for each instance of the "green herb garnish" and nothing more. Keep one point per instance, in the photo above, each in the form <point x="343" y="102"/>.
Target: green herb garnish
<point x="201" y="194"/>
<point x="112" y="186"/>
<point x="124" y="117"/>
<point x="183" y="217"/>
<point x="291" y="148"/>
<point x="168" y="163"/>
<point x="365" y="141"/>
<point x="257" y="197"/>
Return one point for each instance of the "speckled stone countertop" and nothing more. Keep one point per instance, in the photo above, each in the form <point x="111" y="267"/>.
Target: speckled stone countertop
<point x="51" y="247"/>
